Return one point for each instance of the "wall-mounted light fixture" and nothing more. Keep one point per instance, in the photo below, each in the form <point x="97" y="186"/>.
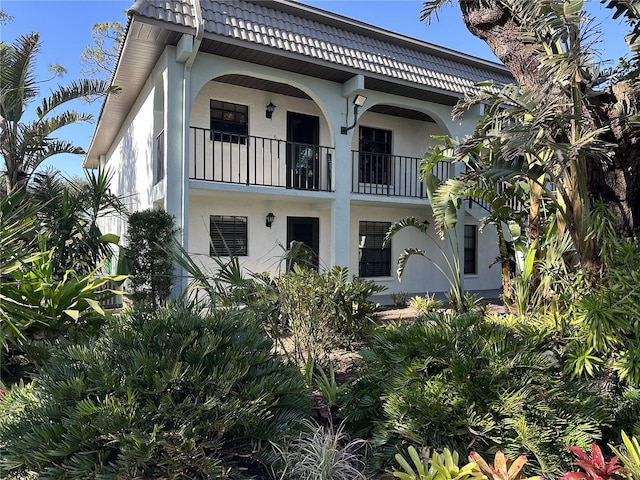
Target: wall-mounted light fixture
<point x="269" y="219"/>
<point x="357" y="103"/>
<point x="270" y="108"/>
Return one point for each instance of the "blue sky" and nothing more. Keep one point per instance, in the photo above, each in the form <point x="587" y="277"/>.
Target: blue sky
<point x="65" y="31"/>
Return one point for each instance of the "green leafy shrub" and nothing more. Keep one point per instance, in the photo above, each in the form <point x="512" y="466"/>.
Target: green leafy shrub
<point x="400" y="299"/>
<point x="426" y="304"/>
<point x="150" y="236"/>
<point x="461" y="381"/>
<point x="157" y="395"/>
<point x="439" y="466"/>
<point x="319" y="311"/>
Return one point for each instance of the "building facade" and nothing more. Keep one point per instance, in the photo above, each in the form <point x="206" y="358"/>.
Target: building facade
<point x="257" y="123"/>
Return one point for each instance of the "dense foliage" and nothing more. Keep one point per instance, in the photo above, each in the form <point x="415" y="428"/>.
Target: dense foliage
<point x="52" y="254"/>
<point x="24" y="145"/>
<point x="151" y="235"/>
<point x="156" y="395"/>
<point x="320" y="312"/>
<point x="470" y="382"/>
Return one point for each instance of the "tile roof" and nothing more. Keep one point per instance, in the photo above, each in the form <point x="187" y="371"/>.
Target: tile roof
<point x="295" y="29"/>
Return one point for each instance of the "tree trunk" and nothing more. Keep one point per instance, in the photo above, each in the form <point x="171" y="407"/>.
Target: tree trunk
<point x="616" y="182"/>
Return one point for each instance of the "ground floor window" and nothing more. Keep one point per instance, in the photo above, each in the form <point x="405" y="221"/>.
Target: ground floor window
<point x="374" y="261"/>
<point x="470" y="249"/>
<point x="228" y="236"/>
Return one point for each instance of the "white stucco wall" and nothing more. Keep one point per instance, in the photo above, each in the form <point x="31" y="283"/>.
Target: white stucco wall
<point x="130" y="162"/>
<point x="265" y="245"/>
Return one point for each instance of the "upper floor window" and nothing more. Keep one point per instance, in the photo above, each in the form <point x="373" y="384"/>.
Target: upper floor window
<point x="228" y="236"/>
<point x="375" y="156"/>
<point x="470" y="249"/>
<point x="229" y="122"/>
<point x="374" y="260"/>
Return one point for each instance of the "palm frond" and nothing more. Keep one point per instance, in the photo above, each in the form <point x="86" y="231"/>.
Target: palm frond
<point x="17" y="81"/>
<point x="75" y="90"/>
<point x="430" y="8"/>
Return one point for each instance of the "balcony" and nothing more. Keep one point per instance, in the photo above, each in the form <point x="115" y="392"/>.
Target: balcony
<point x="391" y="175"/>
<point x="225" y="157"/>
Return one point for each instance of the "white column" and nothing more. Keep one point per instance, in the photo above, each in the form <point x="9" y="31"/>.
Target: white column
<point x="173" y="77"/>
<point x="341" y="208"/>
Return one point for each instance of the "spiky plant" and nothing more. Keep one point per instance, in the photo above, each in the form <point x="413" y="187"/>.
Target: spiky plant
<point x="164" y="395"/>
<point x="322" y="453"/>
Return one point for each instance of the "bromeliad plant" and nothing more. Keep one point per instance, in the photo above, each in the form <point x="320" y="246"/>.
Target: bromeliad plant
<point x="629" y="455"/>
<point x="440" y="466"/>
<point x="594" y="467"/>
<point x="501" y="468"/>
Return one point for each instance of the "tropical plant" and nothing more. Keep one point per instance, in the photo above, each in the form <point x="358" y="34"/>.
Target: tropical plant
<point x="17" y="229"/>
<point x="452" y="259"/>
<point x="594" y="467"/>
<point x="426" y="304"/>
<point x="52" y="308"/>
<point x="504" y="204"/>
<point x="574" y="122"/>
<point x="320" y="453"/>
<point x="501" y="469"/>
<point x="400" y="299"/>
<point x="69" y="212"/>
<point x="150" y="235"/>
<point x="327" y="385"/>
<point x="629" y="455"/>
<point x="439" y="466"/>
<point x="24" y="145"/>
<point x="164" y="394"/>
<point x="466" y="380"/>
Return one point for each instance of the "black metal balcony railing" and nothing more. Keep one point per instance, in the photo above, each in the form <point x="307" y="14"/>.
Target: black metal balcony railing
<point x="391" y="175"/>
<point x="250" y="160"/>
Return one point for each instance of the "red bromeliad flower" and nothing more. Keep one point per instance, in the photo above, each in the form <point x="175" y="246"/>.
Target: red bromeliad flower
<point x="594" y="467"/>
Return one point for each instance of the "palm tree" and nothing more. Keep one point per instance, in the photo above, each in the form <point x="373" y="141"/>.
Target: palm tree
<point x="594" y="155"/>
<point x="24" y="145"/>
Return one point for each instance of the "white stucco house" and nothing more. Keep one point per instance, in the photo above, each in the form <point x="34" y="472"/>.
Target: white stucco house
<point x="255" y="123"/>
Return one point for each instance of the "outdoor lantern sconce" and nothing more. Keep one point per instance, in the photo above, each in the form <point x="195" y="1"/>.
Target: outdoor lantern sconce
<point x="270" y="218"/>
<point x="270" y="108"/>
<point x="357" y="103"/>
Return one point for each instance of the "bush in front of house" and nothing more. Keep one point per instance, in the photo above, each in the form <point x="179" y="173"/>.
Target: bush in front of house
<point x="150" y="236"/>
<point x="471" y="382"/>
<point x="157" y="395"/>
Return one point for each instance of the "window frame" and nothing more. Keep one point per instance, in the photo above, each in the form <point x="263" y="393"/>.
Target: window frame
<point x="369" y="144"/>
<point x="373" y="260"/>
<point x="232" y="236"/>
<point x="470" y="260"/>
<point x="232" y="129"/>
